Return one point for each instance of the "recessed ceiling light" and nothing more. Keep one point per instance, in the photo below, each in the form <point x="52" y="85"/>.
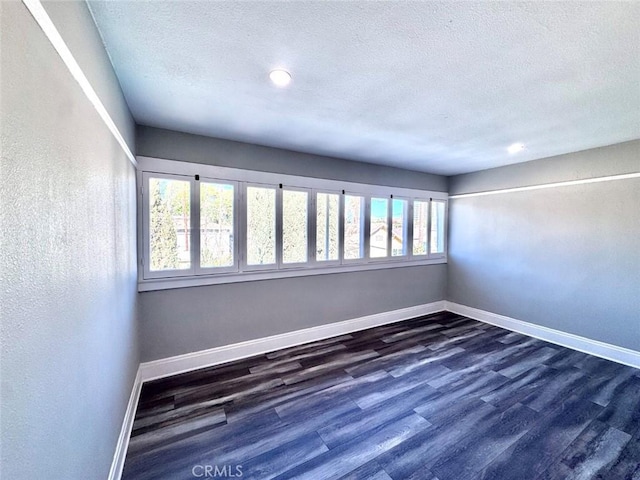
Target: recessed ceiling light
<point x="515" y="148"/>
<point x="280" y="77"/>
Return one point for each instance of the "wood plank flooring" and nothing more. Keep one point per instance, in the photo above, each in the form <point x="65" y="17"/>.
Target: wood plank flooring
<point x="438" y="397"/>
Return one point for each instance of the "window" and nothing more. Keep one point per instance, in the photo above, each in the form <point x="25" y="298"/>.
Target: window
<point x="295" y="212"/>
<point x="399" y="224"/>
<point x="437" y="227"/>
<point x="202" y="224"/>
<point x="217" y="232"/>
<point x="261" y="225"/>
<point x="327" y="224"/>
<point x="353" y="227"/>
<point x="379" y="236"/>
<point x="420" y="227"/>
<point x="169" y="214"/>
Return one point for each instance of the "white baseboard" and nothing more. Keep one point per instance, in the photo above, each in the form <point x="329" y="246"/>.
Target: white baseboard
<point x="125" y="432"/>
<point x="614" y="353"/>
<point x="205" y="358"/>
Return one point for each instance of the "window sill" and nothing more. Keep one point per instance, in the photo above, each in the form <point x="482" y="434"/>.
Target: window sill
<point x="196" y="281"/>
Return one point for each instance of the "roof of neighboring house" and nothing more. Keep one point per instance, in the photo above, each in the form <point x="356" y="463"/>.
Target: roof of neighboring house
<point x="396" y="237"/>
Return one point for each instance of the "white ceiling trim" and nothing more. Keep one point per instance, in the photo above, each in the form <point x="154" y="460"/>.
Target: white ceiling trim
<point x="568" y="183"/>
<point x="51" y="32"/>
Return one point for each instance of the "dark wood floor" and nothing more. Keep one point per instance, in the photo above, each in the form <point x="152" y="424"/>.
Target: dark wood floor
<point x="440" y="397"/>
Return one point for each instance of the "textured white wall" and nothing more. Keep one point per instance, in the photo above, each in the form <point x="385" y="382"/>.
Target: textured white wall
<point x="67" y="266"/>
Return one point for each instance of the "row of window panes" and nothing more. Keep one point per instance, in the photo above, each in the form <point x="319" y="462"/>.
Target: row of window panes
<point x="170" y="240"/>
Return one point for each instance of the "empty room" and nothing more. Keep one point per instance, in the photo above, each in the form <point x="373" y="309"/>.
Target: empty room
<point x="320" y="240"/>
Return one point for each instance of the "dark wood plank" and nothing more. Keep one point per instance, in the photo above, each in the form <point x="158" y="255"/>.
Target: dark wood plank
<point x="439" y="397"/>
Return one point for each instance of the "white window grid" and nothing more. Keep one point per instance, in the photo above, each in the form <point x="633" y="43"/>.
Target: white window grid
<point x="240" y="180"/>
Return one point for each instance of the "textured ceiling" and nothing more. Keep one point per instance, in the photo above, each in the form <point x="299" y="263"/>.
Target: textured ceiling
<point x="442" y="87"/>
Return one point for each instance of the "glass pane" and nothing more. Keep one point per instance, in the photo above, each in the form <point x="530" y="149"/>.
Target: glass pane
<point x="420" y="219"/>
<point x="261" y="226"/>
<point x="294" y="226"/>
<point x="399" y="227"/>
<point x="327" y="219"/>
<point x="169" y="224"/>
<point x="379" y="242"/>
<point x="353" y="227"/>
<point x="437" y="227"/>
<point x="216" y="225"/>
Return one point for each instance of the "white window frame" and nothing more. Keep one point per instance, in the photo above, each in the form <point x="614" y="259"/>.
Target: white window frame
<point x="364" y="229"/>
<point x="387" y="257"/>
<point x="442" y="254"/>
<point x="241" y="179"/>
<point x="234" y="268"/>
<point x="409" y="224"/>
<point x="279" y="234"/>
<point x="243" y="244"/>
<point x="428" y="202"/>
<point x="145" y="192"/>
<point x="313" y="226"/>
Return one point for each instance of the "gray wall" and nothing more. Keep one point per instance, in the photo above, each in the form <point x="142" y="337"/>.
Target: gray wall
<point x="170" y="145"/>
<point x="567" y="258"/>
<point x="69" y="343"/>
<point x="185" y="320"/>
<point x="191" y="319"/>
